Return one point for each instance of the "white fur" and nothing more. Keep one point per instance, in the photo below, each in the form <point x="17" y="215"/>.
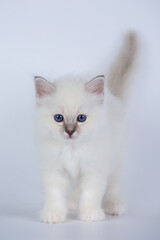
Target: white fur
<point x="91" y="161"/>
<point x="88" y="160"/>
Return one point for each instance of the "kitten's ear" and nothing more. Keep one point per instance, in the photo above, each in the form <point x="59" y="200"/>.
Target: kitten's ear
<point x="96" y="85"/>
<point x="43" y="87"/>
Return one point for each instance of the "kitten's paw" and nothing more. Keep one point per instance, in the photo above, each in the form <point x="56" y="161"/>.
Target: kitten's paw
<point x="115" y="208"/>
<point x="52" y="216"/>
<point x="92" y="215"/>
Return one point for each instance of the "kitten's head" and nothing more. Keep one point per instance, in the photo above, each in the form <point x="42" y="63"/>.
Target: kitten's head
<point x="69" y="109"/>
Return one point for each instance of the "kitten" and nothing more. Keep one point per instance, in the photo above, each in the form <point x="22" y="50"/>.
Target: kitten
<point x="80" y="134"/>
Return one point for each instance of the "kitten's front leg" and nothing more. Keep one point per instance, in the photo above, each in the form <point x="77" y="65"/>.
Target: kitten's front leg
<point x="92" y="192"/>
<point x="55" y="209"/>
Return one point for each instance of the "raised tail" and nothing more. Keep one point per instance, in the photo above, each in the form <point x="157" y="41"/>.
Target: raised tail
<point x="118" y="76"/>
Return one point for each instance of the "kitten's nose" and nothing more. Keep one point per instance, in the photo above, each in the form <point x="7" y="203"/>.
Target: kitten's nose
<point x="70" y="129"/>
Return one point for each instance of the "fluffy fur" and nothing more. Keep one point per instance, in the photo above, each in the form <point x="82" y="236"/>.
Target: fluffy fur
<point x="83" y="171"/>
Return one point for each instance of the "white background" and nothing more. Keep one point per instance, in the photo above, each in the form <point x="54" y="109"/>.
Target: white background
<point x="52" y="38"/>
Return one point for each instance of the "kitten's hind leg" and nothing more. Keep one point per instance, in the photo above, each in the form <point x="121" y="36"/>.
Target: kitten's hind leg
<point x="113" y="202"/>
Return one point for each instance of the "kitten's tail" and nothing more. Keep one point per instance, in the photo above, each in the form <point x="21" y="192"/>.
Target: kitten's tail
<point x="118" y="76"/>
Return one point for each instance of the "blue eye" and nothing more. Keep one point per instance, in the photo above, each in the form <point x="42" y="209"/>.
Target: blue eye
<point x="58" y="118"/>
<point x="81" y="118"/>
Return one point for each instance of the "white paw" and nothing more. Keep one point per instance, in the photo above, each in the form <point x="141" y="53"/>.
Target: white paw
<point x="52" y="216"/>
<point x="92" y="215"/>
<point x="115" y="209"/>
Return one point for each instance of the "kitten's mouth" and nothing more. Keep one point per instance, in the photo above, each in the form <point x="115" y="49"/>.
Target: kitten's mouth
<point x="70" y="138"/>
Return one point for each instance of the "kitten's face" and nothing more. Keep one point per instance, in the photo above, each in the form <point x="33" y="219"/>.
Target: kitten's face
<point x="69" y="109"/>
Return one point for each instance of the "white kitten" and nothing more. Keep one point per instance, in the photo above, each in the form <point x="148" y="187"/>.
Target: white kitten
<point x="80" y="134"/>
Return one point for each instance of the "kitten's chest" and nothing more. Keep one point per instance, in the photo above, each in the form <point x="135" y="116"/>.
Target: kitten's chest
<point x="69" y="156"/>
